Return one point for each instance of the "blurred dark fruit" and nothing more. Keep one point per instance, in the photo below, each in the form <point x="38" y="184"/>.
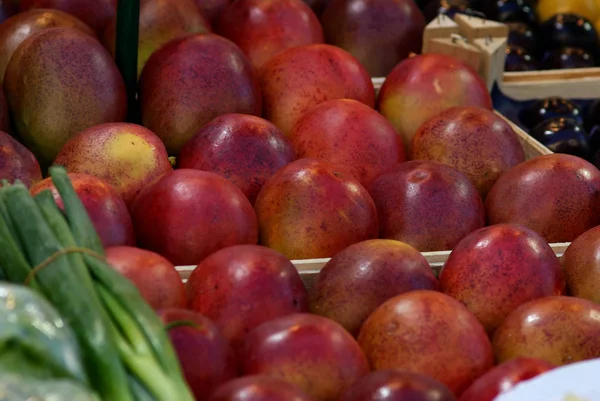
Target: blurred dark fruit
<point x="519" y="59"/>
<point x="522" y="35"/>
<point x="567" y="58"/>
<point x="569" y="30"/>
<point x="510" y="11"/>
<point x="551" y="107"/>
<point x="563" y="135"/>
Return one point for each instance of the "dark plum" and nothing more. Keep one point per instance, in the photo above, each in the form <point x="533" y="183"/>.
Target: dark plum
<point x="567" y="58"/>
<point x="550" y="107"/>
<point x="569" y="30"/>
<point x="519" y="59"/>
<point x="563" y="135"/>
<point x="522" y="35"/>
<point x="510" y="11"/>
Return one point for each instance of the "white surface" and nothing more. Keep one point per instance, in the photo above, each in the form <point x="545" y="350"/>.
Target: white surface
<point x="576" y="382"/>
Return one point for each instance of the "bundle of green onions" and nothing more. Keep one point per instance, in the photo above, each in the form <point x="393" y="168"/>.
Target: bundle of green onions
<point x="126" y="351"/>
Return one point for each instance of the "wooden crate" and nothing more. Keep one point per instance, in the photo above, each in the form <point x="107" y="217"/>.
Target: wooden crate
<point x="309" y="268"/>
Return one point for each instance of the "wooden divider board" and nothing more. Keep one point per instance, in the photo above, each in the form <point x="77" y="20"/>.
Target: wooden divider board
<point x="578" y="83"/>
<point x="309" y="268"/>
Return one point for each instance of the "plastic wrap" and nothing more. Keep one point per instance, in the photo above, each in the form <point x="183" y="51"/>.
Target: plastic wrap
<point x="34" y="340"/>
<point x="17" y="388"/>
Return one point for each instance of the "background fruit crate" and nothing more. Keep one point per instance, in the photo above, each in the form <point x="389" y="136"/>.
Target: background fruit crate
<point x="518" y="90"/>
<point x="582" y="83"/>
<point x="309" y="268"/>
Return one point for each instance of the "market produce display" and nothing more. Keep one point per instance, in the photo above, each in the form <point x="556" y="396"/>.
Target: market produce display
<point x="544" y="34"/>
<point x="157" y="256"/>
